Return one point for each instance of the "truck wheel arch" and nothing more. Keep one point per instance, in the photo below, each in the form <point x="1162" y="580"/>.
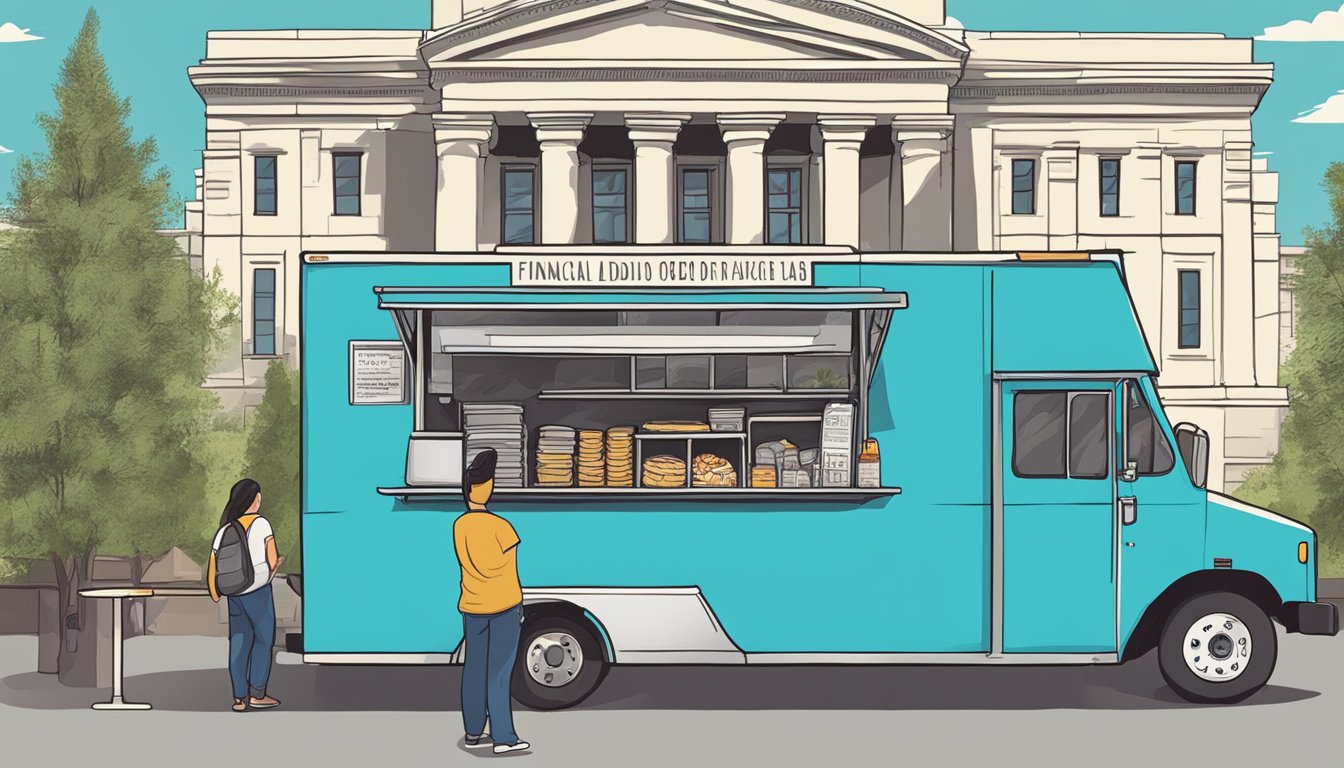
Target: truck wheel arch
<point x="545" y="607"/>
<point x="1252" y="586"/>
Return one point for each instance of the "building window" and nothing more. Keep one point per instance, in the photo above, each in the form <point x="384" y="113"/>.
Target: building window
<point x="696" y="211"/>
<point x="519" y="214"/>
<point x="784" y="205"/>
<point x="345" y="171"/>
<point x="1188" y="283"/>
<point x="1185" y="187"/>
<point x="264" y="197"/>
<point x="1024" y="186"/>
<point x="1110" y="186"/>
<point x="611" y="199"/>
<point x="263" y="312"/>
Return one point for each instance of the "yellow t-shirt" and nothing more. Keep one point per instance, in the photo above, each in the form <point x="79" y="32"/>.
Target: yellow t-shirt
<point x="487" y="551"/>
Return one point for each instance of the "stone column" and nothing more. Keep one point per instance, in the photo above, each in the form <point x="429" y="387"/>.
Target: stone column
<point x="459" y="141"/>
<point x="558" y="136"/>
<point x="655" y="175"/>
<point x="745" y="136"/>
<point x="841" y="137"/>
<point x="924" y="145"/>
<point x="1238" y="266"/>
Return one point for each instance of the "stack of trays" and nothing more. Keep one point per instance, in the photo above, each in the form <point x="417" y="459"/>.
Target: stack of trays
<point x="592" y="458"/>
<point x="664" y="471"/>
<point x="555" y="456"/>
<point x="727" y="419"/>
<point x="498" y="426"/>
<point x="621" y="457"/>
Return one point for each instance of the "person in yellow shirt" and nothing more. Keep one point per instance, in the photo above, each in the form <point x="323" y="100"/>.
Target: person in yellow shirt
<point x="492" y="611"/>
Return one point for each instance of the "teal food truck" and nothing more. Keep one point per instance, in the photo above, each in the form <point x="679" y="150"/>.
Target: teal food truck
<point x="768" y="456"/>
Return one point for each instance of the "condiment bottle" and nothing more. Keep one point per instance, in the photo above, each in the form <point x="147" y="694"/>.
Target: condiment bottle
<point x="870" y="465"/>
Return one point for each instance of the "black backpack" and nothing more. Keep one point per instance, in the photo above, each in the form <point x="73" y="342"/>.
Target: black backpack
<point x="233" y="562"/>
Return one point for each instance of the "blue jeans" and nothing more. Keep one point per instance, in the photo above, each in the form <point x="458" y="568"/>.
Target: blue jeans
<point x="251" y="635"/>
<point x="491" y="648"/>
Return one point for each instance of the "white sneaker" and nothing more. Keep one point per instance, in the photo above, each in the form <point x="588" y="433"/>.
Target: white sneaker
<point x="518" y="747"/>
<point x="476" y="742"/>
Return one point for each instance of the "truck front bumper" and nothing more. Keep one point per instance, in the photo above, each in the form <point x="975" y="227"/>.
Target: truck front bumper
<point x="1310" y="618"/>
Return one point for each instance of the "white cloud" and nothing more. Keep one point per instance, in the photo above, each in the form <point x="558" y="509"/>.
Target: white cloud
<point x="11" y="33"/>
<point x="1332" y="111"/>
<point x="1328" y="25"/>
<point x="5" y="150"/>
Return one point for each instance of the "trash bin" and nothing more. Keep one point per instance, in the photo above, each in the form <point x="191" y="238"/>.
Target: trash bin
<point x="48" y="630"/>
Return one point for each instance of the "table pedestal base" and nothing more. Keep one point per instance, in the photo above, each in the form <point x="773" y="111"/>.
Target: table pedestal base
<point x="118" y="703"/>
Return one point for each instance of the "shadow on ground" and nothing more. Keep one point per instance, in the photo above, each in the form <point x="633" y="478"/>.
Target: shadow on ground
<point x="1133" y="686"/>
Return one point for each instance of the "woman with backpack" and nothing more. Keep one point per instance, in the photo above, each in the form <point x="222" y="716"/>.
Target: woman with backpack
<point x="243" y="560"/>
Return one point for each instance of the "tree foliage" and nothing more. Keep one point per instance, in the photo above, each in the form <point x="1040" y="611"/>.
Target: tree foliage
<point x="273" y="458"/>
<point x="105" y="338"/>
<point x="1306" y="478"/>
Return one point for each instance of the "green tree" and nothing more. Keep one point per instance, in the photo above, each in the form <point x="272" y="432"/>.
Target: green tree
<point x="273" y="458"/>
<point x="105" y="338"/>
<point x="1306" y="478"/>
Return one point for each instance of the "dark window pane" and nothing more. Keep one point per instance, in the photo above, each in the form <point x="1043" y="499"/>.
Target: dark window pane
<point x="609" y="182"/>
<point x="1089" y="443"/>
<point x="1038" y="433"/>
<point x="518" y="227"/>
<point x="347" y="166"/>
<point x="695" y="182"/>
<point x="1185" y="187"/>
<point x="265" y="281"/>
<point x="695" y="227"/>
<point x="264" y="167"/>
<point x="264" y="307"/>
<point x="1148" y="447"/>
<point x="1188" y="287"/>
<point x="1024" y="186"/>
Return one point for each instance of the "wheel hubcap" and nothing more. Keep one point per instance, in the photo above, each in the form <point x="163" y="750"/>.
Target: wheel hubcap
<point x="554" y="659"/>
<point x="1218" y="647"/>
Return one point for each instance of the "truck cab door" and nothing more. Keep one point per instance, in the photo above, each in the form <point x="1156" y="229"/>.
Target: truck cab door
<point x="1162" y="514"/>
<point x="1059" y="516"/>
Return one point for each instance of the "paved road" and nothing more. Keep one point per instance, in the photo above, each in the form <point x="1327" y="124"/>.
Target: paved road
<point x="948" y="716"/>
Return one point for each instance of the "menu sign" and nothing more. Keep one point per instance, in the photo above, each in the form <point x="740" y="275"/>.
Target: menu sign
<point x="662" y="271"/>
<point x="377" y="373"/>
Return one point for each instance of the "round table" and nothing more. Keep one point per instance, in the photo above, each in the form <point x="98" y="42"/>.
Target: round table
<point x="117" y="595"/>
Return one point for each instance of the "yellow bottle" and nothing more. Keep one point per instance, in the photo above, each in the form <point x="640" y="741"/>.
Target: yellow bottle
<point x="870" y="465"/>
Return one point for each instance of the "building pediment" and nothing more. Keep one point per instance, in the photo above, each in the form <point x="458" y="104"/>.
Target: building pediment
<point x="750" y="31"/>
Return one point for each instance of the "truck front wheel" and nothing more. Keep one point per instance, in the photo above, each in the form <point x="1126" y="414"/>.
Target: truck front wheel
<point x="1217" y="648"/>
<point x="560" y="662"/>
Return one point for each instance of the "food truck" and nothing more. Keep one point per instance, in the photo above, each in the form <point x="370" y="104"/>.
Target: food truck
<point x="774" y="456"/>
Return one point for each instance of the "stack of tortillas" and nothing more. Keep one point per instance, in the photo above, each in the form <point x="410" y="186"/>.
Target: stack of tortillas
<point x="555" y="456"/>
<point x="592" y="461"/>
<point x="675" y="426"/>
<point x="621" y="457"/>
<point x="664" y="471"/>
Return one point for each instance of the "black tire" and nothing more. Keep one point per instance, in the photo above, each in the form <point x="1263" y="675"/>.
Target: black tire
<point x="1185" y="682"/>
<point x="533" y="694"/>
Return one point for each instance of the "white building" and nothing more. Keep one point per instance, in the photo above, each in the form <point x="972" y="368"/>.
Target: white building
<point x="867" y="124"/>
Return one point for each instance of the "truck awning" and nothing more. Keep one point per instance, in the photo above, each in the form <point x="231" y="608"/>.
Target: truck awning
<point x="547" y="298"/>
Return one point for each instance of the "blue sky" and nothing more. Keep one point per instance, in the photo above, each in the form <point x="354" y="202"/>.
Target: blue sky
<point x="150" y="43"/>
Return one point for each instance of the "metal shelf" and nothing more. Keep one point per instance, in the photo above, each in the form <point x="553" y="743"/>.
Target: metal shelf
<point x="679" y="394"/>
<point x="592" y="493"/>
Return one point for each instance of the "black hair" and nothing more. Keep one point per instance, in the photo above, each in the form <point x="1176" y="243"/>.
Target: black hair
<point x="241" y="496"/>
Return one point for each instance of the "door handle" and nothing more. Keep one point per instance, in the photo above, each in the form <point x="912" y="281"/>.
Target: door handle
<point x="1129" y="510"/>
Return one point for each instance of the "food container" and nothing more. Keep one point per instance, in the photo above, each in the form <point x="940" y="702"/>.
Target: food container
<point x="727" y="419"/>
<point x="870" y="465"/>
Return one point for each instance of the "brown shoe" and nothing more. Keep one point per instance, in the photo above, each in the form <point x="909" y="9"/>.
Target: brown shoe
<point x="265" y="702"/>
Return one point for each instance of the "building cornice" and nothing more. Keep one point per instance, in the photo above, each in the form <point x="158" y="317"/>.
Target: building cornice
<point x="475" y="74"/>
<point x="250" y="91"/>
<point x="1064" y="90"/>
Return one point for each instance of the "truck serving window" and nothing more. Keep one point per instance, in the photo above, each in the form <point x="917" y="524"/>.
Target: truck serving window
<point x="1148" y="448"/>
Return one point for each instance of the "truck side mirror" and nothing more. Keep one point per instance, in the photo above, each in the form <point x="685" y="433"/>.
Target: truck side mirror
<point x="1193" y="444"/>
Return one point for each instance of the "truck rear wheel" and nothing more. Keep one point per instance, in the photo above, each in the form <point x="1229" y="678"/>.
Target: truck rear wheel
<point x="560" y="663"/>
<point x="1217" y="648"/>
